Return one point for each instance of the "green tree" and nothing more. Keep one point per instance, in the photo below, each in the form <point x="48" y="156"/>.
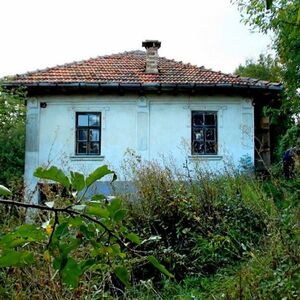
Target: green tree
<point x="265" y="68"/>
<point x="12" y="135"/>
<point x="281" y="19"/>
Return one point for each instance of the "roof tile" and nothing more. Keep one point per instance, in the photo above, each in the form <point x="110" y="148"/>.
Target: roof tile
<point x="129" y="67"/>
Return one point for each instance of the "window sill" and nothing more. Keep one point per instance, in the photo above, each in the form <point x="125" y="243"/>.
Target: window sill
<point x="87" y="157"/>
<point x="206" y="157"/>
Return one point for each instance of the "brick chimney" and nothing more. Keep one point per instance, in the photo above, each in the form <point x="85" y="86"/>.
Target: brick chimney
<point x="152" y="47"/>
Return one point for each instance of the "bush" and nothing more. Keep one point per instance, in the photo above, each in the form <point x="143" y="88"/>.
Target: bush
<point x="198" y="226"/>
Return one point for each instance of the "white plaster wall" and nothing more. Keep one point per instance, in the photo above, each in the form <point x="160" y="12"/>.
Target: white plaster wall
<point x="152" y="126"/>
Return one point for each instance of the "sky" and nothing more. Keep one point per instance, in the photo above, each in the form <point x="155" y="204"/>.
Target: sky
<point x="36" y="34"/>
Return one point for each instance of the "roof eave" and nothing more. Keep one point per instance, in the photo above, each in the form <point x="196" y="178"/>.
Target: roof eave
<point x="147" y="87"/>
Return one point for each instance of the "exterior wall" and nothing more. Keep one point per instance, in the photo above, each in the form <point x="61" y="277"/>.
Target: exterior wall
<point x="152" y="126"/>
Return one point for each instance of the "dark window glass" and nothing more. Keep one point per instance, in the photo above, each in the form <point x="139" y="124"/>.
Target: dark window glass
<point x="82" y="135"/>
<point x="204" y="132"/>
<point x="198" y="119"/>
<point x="88" y="133"/>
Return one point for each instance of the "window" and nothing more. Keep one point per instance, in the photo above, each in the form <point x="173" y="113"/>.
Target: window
<point x="88" y="133"/>
<point x="204" y="133"/>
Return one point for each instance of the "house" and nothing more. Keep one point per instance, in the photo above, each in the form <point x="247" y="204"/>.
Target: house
<point x="87" y="113"/>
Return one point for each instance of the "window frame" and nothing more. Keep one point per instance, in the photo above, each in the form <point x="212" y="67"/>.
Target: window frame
<point x="88" y="128"/>
<point x="204" y="127"/>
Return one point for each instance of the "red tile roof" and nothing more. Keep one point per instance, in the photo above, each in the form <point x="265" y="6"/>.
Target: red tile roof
<point x="129" y="68"/>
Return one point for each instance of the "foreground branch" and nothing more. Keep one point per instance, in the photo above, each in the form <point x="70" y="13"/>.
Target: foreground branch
<point x="68" y="211"/>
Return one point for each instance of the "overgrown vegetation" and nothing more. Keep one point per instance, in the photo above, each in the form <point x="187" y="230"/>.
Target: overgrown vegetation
<point x="228" y="236"/>
<point x="12" y="137"/>
<point x="223" y="237"/>
<point x="83" y="235"/>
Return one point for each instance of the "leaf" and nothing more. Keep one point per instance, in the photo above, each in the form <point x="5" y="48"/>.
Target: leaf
<point x="114" y="205"/>
<point x="61" y="230"/>
<point x="97" y="211"/>
<point x="13" y="258"/>
<point x="77" y="181"/>
<point x="123" y="275"/>
<point x="4" y="191"/>
<point x="134" y="238"/>
<point x="159" y="266"/>
<point x="86" y="264"/>
<point x="71" y="273"/>
<point x="59" y="262"/>
<point x="22" y="235"/>
<point x="98" y="174"/>
<point x="70" y="246"/>
<point x="98" y="197"/>
<point x="54" y="174"/>
<point x="119" y="215"/>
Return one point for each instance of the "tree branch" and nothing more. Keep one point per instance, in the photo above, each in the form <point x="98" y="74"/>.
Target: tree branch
<point x="68" y="211"/>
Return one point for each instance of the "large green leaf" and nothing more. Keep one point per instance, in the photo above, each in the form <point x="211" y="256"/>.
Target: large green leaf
<point x="13" y="258"/>
<point x="61" y="230"/>
<point x="77" y="181"/>
<point x="98" y="174"/>
<point x="114" y="206"/>
<point x="73" y="243"/>
<point x="54" y="174"/>
<point x="86" y="264"/>
<point x="95" y="210"/>
<point x="119" y="215"/>
<point x="134" y="238"/>
<point x="22" y="235"/>
<point x="159" y="266"/>
<point x="4" y="191"/>
<point x="123" y="275"/>
<point x="71" y="273"/>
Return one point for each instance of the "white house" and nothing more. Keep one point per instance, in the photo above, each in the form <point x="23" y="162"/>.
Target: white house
<point x="87" y="113"/>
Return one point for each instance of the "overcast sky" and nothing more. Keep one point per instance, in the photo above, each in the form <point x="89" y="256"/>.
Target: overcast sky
<point x="36" y="34"/>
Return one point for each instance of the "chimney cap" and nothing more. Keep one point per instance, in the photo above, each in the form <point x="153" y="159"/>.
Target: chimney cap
<point x="151" y="44"/>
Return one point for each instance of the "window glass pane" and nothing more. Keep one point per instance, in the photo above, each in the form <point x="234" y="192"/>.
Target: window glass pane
<point x="197" y="119"/>
<point x="94" y="135"/>
<point x="81" y="147"/>
<point x="82" y="135"/>
<point x="198" y="147"/>
<point x="94" y="120"/>
<point x="83" y="120"/>
<point x="199" y="134"/>
<point x="210" y="148"/>
<point x="210" y="119"/>
<point x="210" y="134"/>
<point x="94" y="148"/>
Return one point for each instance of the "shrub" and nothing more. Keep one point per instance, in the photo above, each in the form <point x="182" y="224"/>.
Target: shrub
<point x="197" y="226"/>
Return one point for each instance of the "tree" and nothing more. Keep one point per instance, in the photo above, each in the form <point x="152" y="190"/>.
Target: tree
<point x="12" y="135"/>
<point x="282" y="19"/>
<point x="265" y="68"/>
